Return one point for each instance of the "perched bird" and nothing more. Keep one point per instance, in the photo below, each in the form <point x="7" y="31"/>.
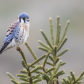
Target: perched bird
<point x="17" y="33"/>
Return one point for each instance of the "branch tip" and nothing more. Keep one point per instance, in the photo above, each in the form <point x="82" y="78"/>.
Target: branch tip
<point x="60" y="61"/>
<point x="68" y="49"/>
<point x="58" y="17"/>
<point x="50" y="18"/>
<point x="68" y="21"/>
<point x="7" y="72"/>
<point x="66" y="37"/>
<point x="41" y="30"/>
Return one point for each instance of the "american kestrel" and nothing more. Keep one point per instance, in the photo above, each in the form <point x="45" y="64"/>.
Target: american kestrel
<point x="17" y="33"/>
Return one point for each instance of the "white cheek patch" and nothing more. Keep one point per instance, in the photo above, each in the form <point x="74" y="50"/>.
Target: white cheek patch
<point x="22" y="20"/>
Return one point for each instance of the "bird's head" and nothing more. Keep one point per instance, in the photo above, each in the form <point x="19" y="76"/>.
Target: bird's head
<point x="23" y="17"/>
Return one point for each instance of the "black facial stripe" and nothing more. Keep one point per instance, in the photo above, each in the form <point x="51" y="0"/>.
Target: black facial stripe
<point x="24" y="20"/>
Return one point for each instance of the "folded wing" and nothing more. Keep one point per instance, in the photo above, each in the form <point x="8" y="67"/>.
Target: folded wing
<point x="9" y="35"/>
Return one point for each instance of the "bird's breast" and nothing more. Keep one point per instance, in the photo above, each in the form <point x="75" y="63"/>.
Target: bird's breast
<point x="24" y="26"/>
<point x="22" y="33"/>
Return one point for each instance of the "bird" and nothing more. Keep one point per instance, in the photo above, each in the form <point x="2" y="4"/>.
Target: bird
<point x="17" y="33"/>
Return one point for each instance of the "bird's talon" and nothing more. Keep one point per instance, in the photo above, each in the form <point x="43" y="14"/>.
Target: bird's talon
<point x="20" y="49"/>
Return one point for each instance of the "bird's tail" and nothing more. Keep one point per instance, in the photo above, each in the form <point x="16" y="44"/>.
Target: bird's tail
<point x="4" y="47"/>
<point x="1" y="51"/>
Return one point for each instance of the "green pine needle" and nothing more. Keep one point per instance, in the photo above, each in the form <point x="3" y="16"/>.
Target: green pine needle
<point x="51" y="31"/>
<point x="48" y="42"/>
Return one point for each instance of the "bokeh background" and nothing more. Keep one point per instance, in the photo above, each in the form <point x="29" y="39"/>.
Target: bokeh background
<point x="39" y="12"/>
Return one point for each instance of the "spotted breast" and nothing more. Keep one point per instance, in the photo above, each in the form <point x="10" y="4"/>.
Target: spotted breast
<point x="22" y="33"/>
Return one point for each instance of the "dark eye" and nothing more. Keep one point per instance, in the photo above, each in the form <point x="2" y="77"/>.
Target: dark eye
<point x="24" y="19"/>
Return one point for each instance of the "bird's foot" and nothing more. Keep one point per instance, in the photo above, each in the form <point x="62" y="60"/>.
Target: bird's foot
<point x="18" y="49"/>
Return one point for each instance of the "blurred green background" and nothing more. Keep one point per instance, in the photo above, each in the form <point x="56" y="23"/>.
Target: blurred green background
<point x="39" y="12"/>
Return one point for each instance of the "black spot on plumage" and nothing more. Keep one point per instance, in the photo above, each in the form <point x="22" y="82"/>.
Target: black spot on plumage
<point x="11" y="27"/>
<point x="6" y="35"/>
<point x="16" y="37"/>
<point x="12" y="31"/>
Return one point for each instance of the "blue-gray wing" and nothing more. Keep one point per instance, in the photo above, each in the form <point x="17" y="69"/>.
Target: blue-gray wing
<point x="9" y="35"/>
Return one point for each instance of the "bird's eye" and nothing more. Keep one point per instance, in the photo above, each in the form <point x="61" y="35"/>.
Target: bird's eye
<point x="23" y="18"/>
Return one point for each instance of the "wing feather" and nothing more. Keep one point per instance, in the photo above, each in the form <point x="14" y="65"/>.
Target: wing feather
<point x="9" y="35"/>
<point x="12" y="27"/>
